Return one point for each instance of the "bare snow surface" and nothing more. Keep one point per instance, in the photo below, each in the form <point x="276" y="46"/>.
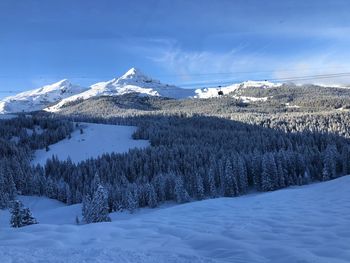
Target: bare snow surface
<point x="300" y="224"/>
<point x="96" y="140"/>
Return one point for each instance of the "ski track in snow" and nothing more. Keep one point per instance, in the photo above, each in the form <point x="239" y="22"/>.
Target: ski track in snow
<point x="298" y="224"/>
<point x="96" y="140"/>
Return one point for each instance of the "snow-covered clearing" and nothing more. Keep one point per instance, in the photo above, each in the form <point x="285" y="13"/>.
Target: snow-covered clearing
<point x="246" y="99"/>
<point x="292" y="106"/>
<point x="300" y="224"/>
<point x="96" y="140"/>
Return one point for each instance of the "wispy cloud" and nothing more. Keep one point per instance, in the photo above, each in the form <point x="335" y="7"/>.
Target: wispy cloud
<point x="315" y="65"/>
<point x="209" y="65"/>
<point x="239" y="64"/>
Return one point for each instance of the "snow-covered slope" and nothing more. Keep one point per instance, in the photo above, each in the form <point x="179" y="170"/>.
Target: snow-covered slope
<point x="39" y="99"/>
<point x="110" y="138"/>
<point x="213" y="92"/>
<point x="299" y="224"/>
<point x="132" y="81"/>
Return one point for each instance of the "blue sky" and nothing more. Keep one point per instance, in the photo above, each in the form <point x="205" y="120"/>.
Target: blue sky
<point x="179" y="42"/>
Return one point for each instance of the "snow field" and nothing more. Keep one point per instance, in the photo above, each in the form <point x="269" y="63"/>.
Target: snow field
<point x="297" y="224"/>
<point x="96" y="140"/>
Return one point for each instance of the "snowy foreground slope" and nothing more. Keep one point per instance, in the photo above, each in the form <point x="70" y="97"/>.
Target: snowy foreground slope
<point x="96" y="140"/>
<point x="301" y="224"/>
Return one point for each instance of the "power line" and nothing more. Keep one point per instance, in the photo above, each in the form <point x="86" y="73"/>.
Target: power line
<point x="245" y="72"/>
<point x="228" y="82"/>
<point x="289" y="79"/>
<point x="189" y="74"/>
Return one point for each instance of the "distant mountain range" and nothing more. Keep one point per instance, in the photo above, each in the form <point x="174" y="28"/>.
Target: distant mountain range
<point x="53" y="97"/>
<point x="133" y="81"/>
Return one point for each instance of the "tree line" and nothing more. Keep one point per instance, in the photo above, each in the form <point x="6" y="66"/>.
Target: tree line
<point x="190" y="158"/>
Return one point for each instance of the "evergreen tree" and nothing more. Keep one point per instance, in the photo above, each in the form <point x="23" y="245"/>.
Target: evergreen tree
<point x="269" y="172"/>
<point x="85" y="208"/>
<point x="329" y="162"/>
<point x="27" y="218"/>
<point x="21" y="216"/>
<point x="97" y="210"/>
<point x="180" y="191"/>
<point x="199" y="187"/>
<point x="4" y="197"/>
<point x="231" y="181"/>
<point x="281" y="171"/>
<point x="129" y="200"/>
<point x="242" y="175"/>
<point x="151" y="196"/>
<point x="17" y="214"/>
<point x="228" y="179"/>
<point x="95" y="183"/>
<point x="211" y="181"/>
<point x="346" y="159"/>
<point x="256" y="169"/>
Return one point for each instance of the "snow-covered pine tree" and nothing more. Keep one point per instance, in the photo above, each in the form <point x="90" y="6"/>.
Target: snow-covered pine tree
<point x="269" y="172"/>
<point x="17" y="214"/>
<point x="95" y="183"/>
<point x="211" y="181"/>
<point x="199" y="187"/>
<point x="231" y="180"/>
<point x="281" y="171"/>
<point x="129" y="200"/>
<point x="4" y="197"/>
<point x="242" y="175"/>
<point x="329" y="162"/>
<point x="85" y="208"/>
<point x="346" y="159"/>
<point x="27" y="218"/>
<point x="181" y="194"/>
<point x="97" y="210"/>
<point x="151" y="196"/>
<point x="12" y="191"/>
<point x="256" y="169"/>
<point x="21" y="216"/>
<point x="228" y="179"/>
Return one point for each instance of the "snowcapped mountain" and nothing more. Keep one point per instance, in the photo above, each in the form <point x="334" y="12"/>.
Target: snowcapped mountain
<point x="133" y="81"/>
<point x="53" y="97"/>
<point x="214" y="92"/>
<point x="40" y="98"/>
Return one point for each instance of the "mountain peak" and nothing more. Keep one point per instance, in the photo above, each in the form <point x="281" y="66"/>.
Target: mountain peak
<point x="63" y="82"/>
<point x="133" y="77"/>
<point x="133" y="73"/>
